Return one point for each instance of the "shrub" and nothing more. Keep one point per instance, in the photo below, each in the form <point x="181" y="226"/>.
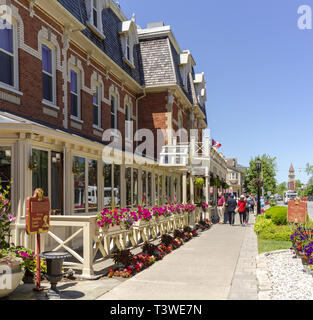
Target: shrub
<point x="280" y="217"/>
<point x="261" y="223"/>
<point x="276" y="210"/>
<point x="275" y="232"/>
<point x="124" y="257"/>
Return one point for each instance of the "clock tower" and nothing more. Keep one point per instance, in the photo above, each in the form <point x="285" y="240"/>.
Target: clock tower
<point x="292" y="179"/>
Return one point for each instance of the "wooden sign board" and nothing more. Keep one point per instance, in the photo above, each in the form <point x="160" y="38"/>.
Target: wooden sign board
<point x="37" y="213"/>
<point x="297" y="211"/>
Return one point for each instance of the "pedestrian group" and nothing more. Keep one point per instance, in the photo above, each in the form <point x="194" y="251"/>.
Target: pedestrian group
<point x="229" y="206"/>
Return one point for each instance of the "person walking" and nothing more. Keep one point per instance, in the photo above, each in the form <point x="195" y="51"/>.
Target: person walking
<point x="231" y="207"/>
<point x="242" y="209"/>
<point x="221" y="207"/>
<point x="248" y="208"/>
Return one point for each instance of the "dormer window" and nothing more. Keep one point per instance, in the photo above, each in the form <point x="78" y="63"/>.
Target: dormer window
<point x="129" y="37"/>
<point x="94" y="10"/>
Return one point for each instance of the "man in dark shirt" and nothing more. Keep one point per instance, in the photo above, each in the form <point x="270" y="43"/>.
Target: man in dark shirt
<point x="231" y="207"/>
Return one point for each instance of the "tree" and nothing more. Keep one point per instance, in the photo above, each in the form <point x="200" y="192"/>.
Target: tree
<point x="281" y="188"/>
<point x="268" y="173"/>
<point x="309" y="170"/>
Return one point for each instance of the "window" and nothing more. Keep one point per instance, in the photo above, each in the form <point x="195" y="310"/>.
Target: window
<point x="233" y="175"/>
<point x="5" y="168"/>
<point x="75" y="94"/>
<point x="79" y="184"/>
<point x="128" y="127"/>
<point x="107" y="172"/>
<point x="95" y="13"/>
<point x="144" y="187"/>
<point x="94" y="9"/>
<point x="128" y="55"/>
<point x="113" y="112"/>
<point x="92" y="185"/>
<point x="117" y="185"/>
<point x="6" y="54"/>
<point x="56" y="183"/>
<point x="128" y="176"/>
<point x="97" y="107"/>
<point x="135" y="187"/>
<point x="47" y="74"/>
<point x="40" y="171"/>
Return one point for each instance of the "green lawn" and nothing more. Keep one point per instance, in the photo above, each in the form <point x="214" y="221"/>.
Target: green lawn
<point x="267" y="245"/>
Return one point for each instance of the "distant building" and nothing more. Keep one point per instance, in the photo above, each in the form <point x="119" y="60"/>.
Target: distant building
<point x="291" y="179"/>
<point x="235" y="176"/>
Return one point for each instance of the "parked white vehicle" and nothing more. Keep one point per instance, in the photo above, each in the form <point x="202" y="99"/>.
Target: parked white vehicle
<point x="288" y="195"/>
<point x="93" y="196"/>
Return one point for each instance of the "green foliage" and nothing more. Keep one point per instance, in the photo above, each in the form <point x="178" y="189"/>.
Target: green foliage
<point x="6" y="218"/>
<point x="277" y="214"/>
<point x="280" y="218"/>
<point x="268" y="172"/>
<point x="199" y="182"/>
<point x="281" y="188"/>
<point x="308" y="191"/>
<point x="267" y="229"/>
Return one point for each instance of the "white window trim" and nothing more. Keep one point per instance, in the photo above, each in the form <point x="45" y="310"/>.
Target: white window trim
<point x="15" y="85"/>
<point x="52" y="103"/>
<point x="97" y="30"/>
<point x="115" y="109"/>
<point x="98" y="85"/>
<point x="128" y="129"/>
<point x="79" y="87"/>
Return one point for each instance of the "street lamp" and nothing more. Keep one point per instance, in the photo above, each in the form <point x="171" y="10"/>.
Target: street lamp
<point x="258" y="168"/>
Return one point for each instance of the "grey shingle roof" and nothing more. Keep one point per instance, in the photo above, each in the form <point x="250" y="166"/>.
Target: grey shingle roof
<point x="111" y="46"/>
<point x="156" y="62"/>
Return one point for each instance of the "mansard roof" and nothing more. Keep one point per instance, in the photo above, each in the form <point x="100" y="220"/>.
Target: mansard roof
<point x="111" y="45"/>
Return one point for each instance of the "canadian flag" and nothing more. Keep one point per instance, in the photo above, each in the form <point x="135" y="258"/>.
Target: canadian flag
<point x="216" y="144"/>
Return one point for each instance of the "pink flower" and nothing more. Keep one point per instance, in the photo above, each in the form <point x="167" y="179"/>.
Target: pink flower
<point x="11" y="218"/>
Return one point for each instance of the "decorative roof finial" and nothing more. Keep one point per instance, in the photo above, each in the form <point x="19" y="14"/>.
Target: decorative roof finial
<point x="133" y="18"/>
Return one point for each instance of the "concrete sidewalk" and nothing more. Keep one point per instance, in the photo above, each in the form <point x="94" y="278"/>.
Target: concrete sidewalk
<point x="220" y="264"/>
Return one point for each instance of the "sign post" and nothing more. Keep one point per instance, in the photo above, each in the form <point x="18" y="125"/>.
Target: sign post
<point x="37" y="222"/>
<point x="297" y="211"/>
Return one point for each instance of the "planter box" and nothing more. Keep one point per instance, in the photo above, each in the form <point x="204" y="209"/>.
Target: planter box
<point x="143" y="224"/>
<point x="11" y="279"/>
<point x="109" y="230"/>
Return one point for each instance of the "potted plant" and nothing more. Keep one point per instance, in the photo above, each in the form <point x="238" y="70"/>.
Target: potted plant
<point x="11" y="272"/>
<point x="11" y="266"/>
<point x="115" y="220"/>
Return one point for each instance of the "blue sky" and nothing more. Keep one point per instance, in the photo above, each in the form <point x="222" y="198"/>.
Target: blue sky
<point x="259" y="72"/>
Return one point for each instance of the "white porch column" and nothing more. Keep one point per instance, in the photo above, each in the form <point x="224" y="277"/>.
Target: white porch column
<point x="122" y="186"/>
<point x="192" y="193"/>
<point x="100" y="185"/>
<point x="184" y="187"/>
<point x="68" y="181"/>
<point x="139" y="186"/>
<point x="153" y="198"/>
<point x="163" y="188"/>
<point x="207" y="189"/>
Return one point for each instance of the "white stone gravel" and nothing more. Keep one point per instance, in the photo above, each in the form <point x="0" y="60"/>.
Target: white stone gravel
<point x="288" y="278"/>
